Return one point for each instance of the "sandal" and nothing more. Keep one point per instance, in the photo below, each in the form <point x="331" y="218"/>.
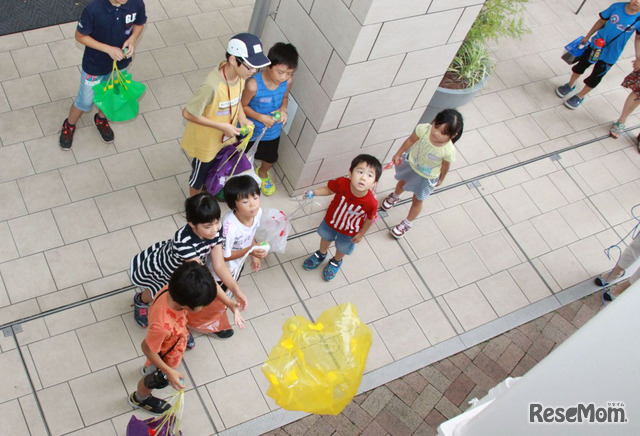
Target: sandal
<point x="616" y="130"/>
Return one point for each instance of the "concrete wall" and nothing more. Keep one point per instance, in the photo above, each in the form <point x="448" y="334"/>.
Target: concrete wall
<point x="368" y="69"/>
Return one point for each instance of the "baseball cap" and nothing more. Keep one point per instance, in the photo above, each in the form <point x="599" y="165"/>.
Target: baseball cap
<point x="249" y="48"/>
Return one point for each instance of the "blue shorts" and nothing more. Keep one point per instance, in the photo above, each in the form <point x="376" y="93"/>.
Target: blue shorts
<point x="84" y="99"/>
<point x="343" y="242"/>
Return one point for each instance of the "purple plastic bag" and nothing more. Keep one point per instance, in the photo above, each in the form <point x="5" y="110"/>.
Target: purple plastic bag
<point x="148" y="427"/>
<point x="228" y="161"/>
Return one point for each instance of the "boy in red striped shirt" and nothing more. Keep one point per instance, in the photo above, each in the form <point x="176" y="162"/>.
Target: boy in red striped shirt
<point x="349" y="215"/>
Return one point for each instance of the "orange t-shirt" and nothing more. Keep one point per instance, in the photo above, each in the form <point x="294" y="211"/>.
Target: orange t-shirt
<point x="167" y="329"/>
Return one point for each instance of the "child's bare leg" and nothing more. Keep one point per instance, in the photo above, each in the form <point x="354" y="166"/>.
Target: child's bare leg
<point x="399" y="187"/>
<point x="74" y="114"/>
<point x="339" y="256"/>
<point x="415" y="209"/>
<point x="146" y="296"/>
<point x="142" y="391"/>
<point x="324" y="246"/>
<point x="574" y="78"/>
<point x="584" y="91"/>
<point x="630" y="104"/>
<point x="264" y="168"/>
<point x="193" y="191"/>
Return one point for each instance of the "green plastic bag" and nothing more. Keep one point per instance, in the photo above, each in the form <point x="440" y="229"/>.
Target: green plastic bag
<point x="118" y="96"/>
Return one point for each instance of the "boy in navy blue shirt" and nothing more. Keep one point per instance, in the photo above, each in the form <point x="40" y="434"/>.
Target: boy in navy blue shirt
<point x="615" y="26"/>
<point x="109" y="30"/>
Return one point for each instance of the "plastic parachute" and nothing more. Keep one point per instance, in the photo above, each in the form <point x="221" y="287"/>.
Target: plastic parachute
<point x="317" y="367"/>
<point x="118" y="96"/>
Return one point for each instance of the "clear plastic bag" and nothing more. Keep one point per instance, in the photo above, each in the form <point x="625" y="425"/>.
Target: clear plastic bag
<point x="318" y="367"/>
<point x="274" y="229"/>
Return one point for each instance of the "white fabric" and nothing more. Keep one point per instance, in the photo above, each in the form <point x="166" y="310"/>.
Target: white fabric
<point x="237" y="237"/>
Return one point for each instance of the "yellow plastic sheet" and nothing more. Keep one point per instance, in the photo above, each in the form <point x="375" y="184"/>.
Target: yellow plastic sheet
<point x="317" y="368"/>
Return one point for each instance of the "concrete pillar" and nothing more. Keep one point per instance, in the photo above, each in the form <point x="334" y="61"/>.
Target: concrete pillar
<point x="367" y="71"/>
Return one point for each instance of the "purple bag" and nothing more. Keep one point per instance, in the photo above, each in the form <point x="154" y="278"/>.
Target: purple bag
<point x="149" y="427"/>
<point x="229" y="161"/>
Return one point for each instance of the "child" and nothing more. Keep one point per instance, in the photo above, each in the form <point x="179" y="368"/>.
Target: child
<point x="239" y="226"/>
<point x="425" y="165"/>
<point x="615" y="26"/>
<point x="349" y="215"/>
<point x="266" y="93"/>
<point x="107" y="29"/>
<point x="191" y="287"/>
<point x="214" y="111"/>
<point x="152" y="268"/>
<point x="632" y="81"/>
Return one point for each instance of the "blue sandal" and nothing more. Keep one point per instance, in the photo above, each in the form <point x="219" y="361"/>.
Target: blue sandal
<point x="313" y="261"/>
<point x="329" y="272"/>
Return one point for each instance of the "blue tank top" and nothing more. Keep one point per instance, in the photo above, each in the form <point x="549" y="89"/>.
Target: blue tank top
<point x="264" y="102"/>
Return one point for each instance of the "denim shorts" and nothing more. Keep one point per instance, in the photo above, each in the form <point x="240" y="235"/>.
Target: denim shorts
<point x="84" y="99"/>
<point x="343" y="242"/>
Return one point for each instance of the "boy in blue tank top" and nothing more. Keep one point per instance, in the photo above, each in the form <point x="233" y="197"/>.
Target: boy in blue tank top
<point x="264" y="102"/>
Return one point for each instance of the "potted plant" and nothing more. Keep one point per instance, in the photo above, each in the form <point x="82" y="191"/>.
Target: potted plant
<point x="473" y="64"/>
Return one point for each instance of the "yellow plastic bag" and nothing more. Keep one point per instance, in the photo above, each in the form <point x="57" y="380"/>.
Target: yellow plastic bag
<point x="317" y="368"/>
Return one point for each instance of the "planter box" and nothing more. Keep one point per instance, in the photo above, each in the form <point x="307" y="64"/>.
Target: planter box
<point x="445" y="98"/>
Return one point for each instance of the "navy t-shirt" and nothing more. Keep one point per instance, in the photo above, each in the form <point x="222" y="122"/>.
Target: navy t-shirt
<point x="617" y="22"/>
<point x="109" y="25"/>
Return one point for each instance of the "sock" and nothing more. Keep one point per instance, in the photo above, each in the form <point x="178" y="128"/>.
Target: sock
<point x="321" y="255"/>
<point x="138" y="398"/>
<point x="407" y="222"/>
<point x="335" y="261"/>
<point x="68" y="123"/>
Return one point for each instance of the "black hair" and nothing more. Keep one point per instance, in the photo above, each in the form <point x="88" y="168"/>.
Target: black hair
<point x="202" y="208"/>
<point x="192" y="285"/>
<point x="371" y="161"/>
<point x="452" y="119"/>
<point x="239" y="60"/>
<point x="238" y="188"/>
<point x="285" y="54"/>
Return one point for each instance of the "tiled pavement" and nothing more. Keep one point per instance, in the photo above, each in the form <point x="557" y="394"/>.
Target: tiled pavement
<point x="481" y="259"/>
<point x="419" y="402"/>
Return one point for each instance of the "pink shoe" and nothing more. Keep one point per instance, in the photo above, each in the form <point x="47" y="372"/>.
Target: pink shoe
<point x="399" y="230"/>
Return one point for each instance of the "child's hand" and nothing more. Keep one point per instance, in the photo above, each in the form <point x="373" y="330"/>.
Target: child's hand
<point x="259" y="254"/>
<point x="174" y="379"/>
<point x="357" y="238"/>
<point x="130" y="47"/>
<point x="255" y="264"/>
<point x="439" y="182"/>
<point x="267" y="120"/>
<point x="241" y="299"/>
<point x="115" y="53"/>
<point x="397" y="158"/>
<point x="237" y="317"/>
<point x="230" y="130"/>
<point x="283" y="116"/>
<point x="196" y="259"/>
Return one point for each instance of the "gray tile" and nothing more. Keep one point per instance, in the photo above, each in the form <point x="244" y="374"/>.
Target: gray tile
<point x="62" y="83"/>
<point x="12" y="42"/>
<point x="210" y="25"/>
<point x="207" y="53"/>
<point x="85" y="180"/>
<point x="395" y="290"/>
<point x="14" y="163"/>
<point x="495" y="252"/>
<point x="186" y="7"/>
<point x="464" y="264"/>
<point x="7" y="67"/>
<point x="67" y="52"/>
<point x="165" y="159"/>
<point x="176" y="31"/>
<point x="111" y="389"/>
<point x="79" y="220"/>
<point x="166" y="123"/>
<point x="45" y="154"/>
<point x="238" y="18"/>
<point x="59" y="359"/>
<point x="144" y="68"/>
<point x="51" y="115"/>
<point x="150" y="39"/>
<point x="34" y="60"/>
<point x="11" y="200"/>
<point x="11" y="363"/>
<point x="171" y="91"/>
<point x="470" y="307"/>
<point x="43" y="191"/>
<point x="126" y="169"/>
<point x="8" y="250"/>
<point x="174" y="60"/>
<point x="132" y="134"/>
<point x="18" y="125"/>
<point x="106" y="343"/>
<point x="14" y="422"/>
<point x="121" y="209"/>
<point x="503" y="293"/>
<point x="60" y="410"/>
<point x="72" y="264"/>
<point x="401" y="334"/>
<point x="43" y="35"/>
<point x="161" y="198"/>
<point x="36" y="232"/>
<point x="114" y="250"/>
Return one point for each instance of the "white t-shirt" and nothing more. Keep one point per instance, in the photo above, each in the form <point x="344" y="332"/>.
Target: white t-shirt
<point x="237" y="236"/>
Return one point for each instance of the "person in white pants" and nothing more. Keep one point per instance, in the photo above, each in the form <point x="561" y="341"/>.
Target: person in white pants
<point x="628" y="257"/>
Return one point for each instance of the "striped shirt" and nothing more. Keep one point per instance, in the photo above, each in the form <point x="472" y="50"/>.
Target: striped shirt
<point x="347" y="213"/>
<point x="152" y="268"/>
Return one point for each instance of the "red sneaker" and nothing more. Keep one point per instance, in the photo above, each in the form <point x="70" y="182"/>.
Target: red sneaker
<point x="103" y="127"/>
<point x="66" y="135"/>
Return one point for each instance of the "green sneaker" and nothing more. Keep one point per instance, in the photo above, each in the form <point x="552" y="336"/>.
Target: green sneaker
<point x="267" y="187"/>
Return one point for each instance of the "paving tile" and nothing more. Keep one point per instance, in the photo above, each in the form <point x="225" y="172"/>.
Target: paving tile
<point x="379" y="355"/>
<point x="126" y="169"/>
<point x="493" y="108"/>
<point x="171" y="90"/>
<point x="33" y="60"/>
<point x="426" y="228"/>
<point x="113" y="251"/>
<point x="362" y="295"/>
<point x="361" y="264"/>
<point x="79" y="220"/>
<point x="8" y="250"/>
<point x="503" y="293"/>
<point x="27" y="240"/>
<point x="470" y="306"/>
<point x="590" y="253"/>
<point x="11" y="363"/>
<point x="389" y="255"/>
<point x="45" y="155"/>
<point x="72" y="264"/>
<point x="527" y="237"/>
<point x="240" y="353"/>
<point x="60" y="409"/>
<point x="66" y="52"/>
<point x="474" y="148"/>
<point x="564" y="267"/>
<point x="165" y="159"/>
<point x="554" y="229"/>
<point x="85" y="180"/>
<point x="500" y="138"/>
<point x="59" y="358"/>
<point x="456" y="225"/>
<point x="552" y="123"/>
<point x="61" y="84"/>
<point x="401" y="334"/>
<point x="495" y="252"/>
<point x="174" y="60"/>
<point x="8" y="69"/>
<point x="246" y="404"/>
<point x="149" y="233"/>
<point x="517" y="204"/>
<point x="106" y="343"/>
<point x="25" y="92"/>
<point x="207" y="54"/>
<point x="459" y="389"/>
<point x="15" y="163"/>
<point x="544" y="194"/>
<point x="112" y="392"/>
<point x="433" y="321"/>
<point x="166" y="124"/>
<point x="210" y="25"/>
<point x="204" y="365"/>
<point x="395" y="290"/>
<point x="436" y="275"/>
<point x="529" y="282"/>
<point x="132" y="134"/>
<point x="13" y="421"/>
<point x="269" y="326"/>
<point x="464" y="264"/>
<point x="121" y="209"/>
<point x="43" y="191"/>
